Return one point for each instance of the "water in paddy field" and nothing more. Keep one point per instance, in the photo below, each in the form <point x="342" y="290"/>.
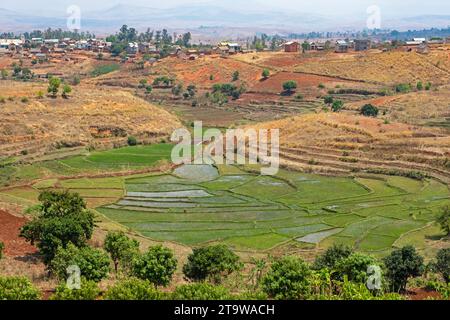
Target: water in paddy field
<point x="197" y="172"/>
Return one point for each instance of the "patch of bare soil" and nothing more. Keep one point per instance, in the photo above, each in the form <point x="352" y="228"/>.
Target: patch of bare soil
<point x="9" y="235"/>
<point x="422" y="294"/>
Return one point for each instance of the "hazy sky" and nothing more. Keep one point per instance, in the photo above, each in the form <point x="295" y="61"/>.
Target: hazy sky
<point x="394" y="8"/>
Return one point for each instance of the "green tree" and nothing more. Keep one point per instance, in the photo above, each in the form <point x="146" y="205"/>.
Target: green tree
<point x="443" y="219"/>
<point x="88" y="291"/>
<point x="192" y="90"/>
<point x="287" y="279"/>
<point x="419" y="85"/>
<point x="369" y="110"/>
<point x="235" y="76"/>
<point x="201" y="291"/>
<point x="66" y="91"/>
<point x="265" y="73"/>
<point x="148" y="89"/>
<point x="402" y="264"/>
<point x="176" y="90"/>
<point x="17" y="288"/>
<point x="53" y="86"/>
<point x="428" y="86"/>
<point x="443" y="263"/>
<point x="212" y="263"/>
<point x="332" y="256"/>
<point x="121" y="248"/>
<point x="132" y="141"/>
<point x="337" y="105"/>
<point x="93" y="263"/>
<point x="2" y="247"/>
<point x="132" y="289"/>
<point x="62" y="218"/>
<point x="354" y="267"/>
<point x="142" y="83"/>
<point x="289" y="86"/>
<point x="157" y="265"/>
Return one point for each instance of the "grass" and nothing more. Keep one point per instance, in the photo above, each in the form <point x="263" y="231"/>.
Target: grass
<point x="104" y="69"/>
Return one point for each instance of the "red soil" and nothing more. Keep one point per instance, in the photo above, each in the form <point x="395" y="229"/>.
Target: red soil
<point x="9" y="235"/>
<point x="422" y="294"/>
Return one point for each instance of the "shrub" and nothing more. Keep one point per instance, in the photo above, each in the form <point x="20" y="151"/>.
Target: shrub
<point x="289" y="86"/>
<point x="24" y="100"/>
<point x="132" y="141"/>
<point x="369" y="110"/>
<point x="235" y="76"/>
<point x="104" y="69"/>
<point x="403" y="88"/>
<point x="142" y="83"/>
<point x="287" y="279"/>
<point x="443" y="263"/>
<point x="93" y="263"/>
<point x="211" y="263"/>
<point x="337" y="106"/>
<point x="2" y="99"/>
<point x="402" y="264"/>
<point x="66" y="91"/>
<point x="176" y="90"/>
<point x="121" y="248"/>
<point x="148" y="89"/>
<point x="419" y="85"/>
<point x="428" y="86"/>
<point x="132" y="289"/>
<point x="201" y="291"/>
<point x="157" y="265"/>
<point x="62" y="218"/>
<point x="299" y="97"/>
<point x="321" y="86"/>
<point x="17" y="288"/>
<point x="328" y="100"/>
<point x="40" y="94"/>
<point x="332" y="256"/>
<point x="53" y="86"/>
<point x="266" y="73"/>
<point x="88" y="291"/>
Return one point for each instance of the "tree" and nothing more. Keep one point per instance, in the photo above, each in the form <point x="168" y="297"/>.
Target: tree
<point x="53" y="86"/>
<point x="287" y="279"/>
<point x="66" y="90"/>
<point x="2" y="247"/>
<point x="332" y="256"/>
<point x="265" y="73"/>
<point x="369" y="110"/>
<point x="176" y="90"/>
<point x="289" y="86"/>
<point x="235" y="76"/>
<point x="443" y="263"/>
<point x="419" y="85"/>
<point x="337" y="105"/>
<point x="354" y="267"/>
<point x="402" y="264"/>
<point x="428" y="86"/>
<point x="192" y="90"/>
<point x="212" y="263"/>
<point x="88" y="291"/>
<point x="17" y="288"/>
<point x="132" y="141"/>
<point x="201" y="291"/>
<point x="148" y="89"/>
<point x="142" y="83"/>
<point x="443" y="220"/>
<point x="93" y="263"/>
<point x="62" y="218"/>
<point x="157" y="265"/>
<point x="132" y="289"/>
<point x="120" y="247"/>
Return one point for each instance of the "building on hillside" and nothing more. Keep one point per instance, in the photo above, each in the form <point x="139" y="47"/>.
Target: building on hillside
<point x="423" y="48"/>
<point x="133" y="48"/>
<point x="416" y="41"/>
<point x="291" y="46"/>
<point x="317" y="45"/>
<point x="341" y="46"/>
<point x="362" y="45"/>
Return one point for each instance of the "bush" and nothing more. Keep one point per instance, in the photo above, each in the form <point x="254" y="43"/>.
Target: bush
<point x="403" y="88"/>
<point x="88" y="291"/>
<point x="66" y="91"/>
<point x="24" y="100"/>
<point x="428" y="86"/>
<point x="419" y="85"/>
<point x="142" y="83"/>
<point x="402" y="264"/>
<point x="289" y="86"/>
<point x="53" y="86"/>
<point x="212" y="263"/>
<point x="328" y="100"/>
<point x="235" y="76"/>
<point x="121" y="248"/>
<point x="443" y="263"/>
<point x="93" y="263"/>
<point x="201" y="291"/>
<point x="369" y="110"/>
<point x="132" y="289"/>
<point x="17" y="288"/>
<point x="337" y="106"/>
<point x="104" y="69"/>
<point x="62" y="218"/>
<point x="287" y="279"/>
<point x="299" y="97"/>
<point x="132" y="141"/>
<point x="148" y="89"/>
<point x="157" y="265"/>
<point x="265" y="73"/>
<point x="332" y="256"/>
<point x="321" y="86"/>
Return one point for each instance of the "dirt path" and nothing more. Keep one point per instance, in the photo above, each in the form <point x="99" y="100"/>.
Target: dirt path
<point x="9" y="235"/>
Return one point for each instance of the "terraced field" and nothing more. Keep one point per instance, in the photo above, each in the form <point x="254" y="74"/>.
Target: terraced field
<point x="249" y="211"/>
